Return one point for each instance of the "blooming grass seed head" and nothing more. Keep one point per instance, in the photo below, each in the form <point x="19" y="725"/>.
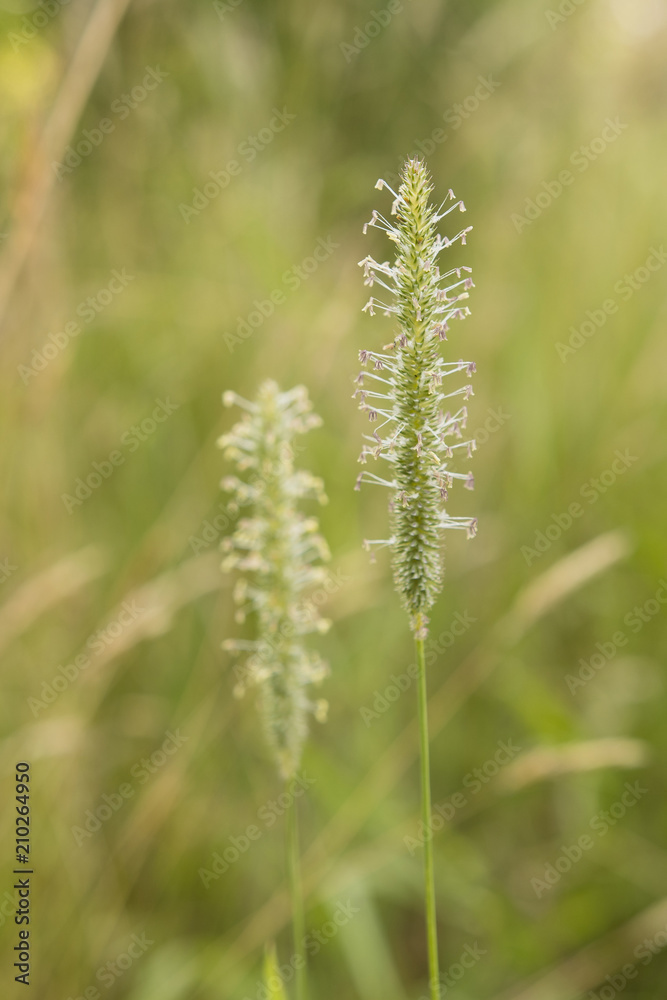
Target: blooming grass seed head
<point x="405" y="389"/>
<point x="279" y="555"/>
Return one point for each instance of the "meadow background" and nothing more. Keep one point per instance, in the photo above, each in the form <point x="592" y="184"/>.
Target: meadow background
<point x="129" y="576"/>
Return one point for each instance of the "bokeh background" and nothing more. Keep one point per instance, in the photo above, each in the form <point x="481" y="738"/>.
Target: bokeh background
<point x="538" y="589"/>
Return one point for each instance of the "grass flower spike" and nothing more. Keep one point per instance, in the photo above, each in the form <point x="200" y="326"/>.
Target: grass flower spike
<point x="405" y="388"/>
<point x="279" y="552"/>
<point x="419" y="421"/>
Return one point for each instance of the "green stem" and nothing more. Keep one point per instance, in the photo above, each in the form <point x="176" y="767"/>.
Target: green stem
<point x="296" y="896"/>
<point x="429" y="880"/>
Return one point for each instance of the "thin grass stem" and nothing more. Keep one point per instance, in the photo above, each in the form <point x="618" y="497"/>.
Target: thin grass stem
<point x="296" y="895"/>
<point x="429" y="879"/>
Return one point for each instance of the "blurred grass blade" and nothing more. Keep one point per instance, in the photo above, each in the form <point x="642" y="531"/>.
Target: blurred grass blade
<point x="272" y="977"/>
<point x="46" y="589"/>
<point x="587" y="968"/>
<point x="543" y="763"/>
<point x="78" y="81"/>
<point x="564" y="578"/>
<point x="157" y="602"/>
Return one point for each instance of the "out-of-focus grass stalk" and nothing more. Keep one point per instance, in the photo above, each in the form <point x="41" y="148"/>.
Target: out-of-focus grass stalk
<point x="296" y="896"/>
<point x="280" y="551"/>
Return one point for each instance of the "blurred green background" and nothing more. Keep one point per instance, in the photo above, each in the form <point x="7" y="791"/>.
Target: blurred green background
<point x="501" y="97"/>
